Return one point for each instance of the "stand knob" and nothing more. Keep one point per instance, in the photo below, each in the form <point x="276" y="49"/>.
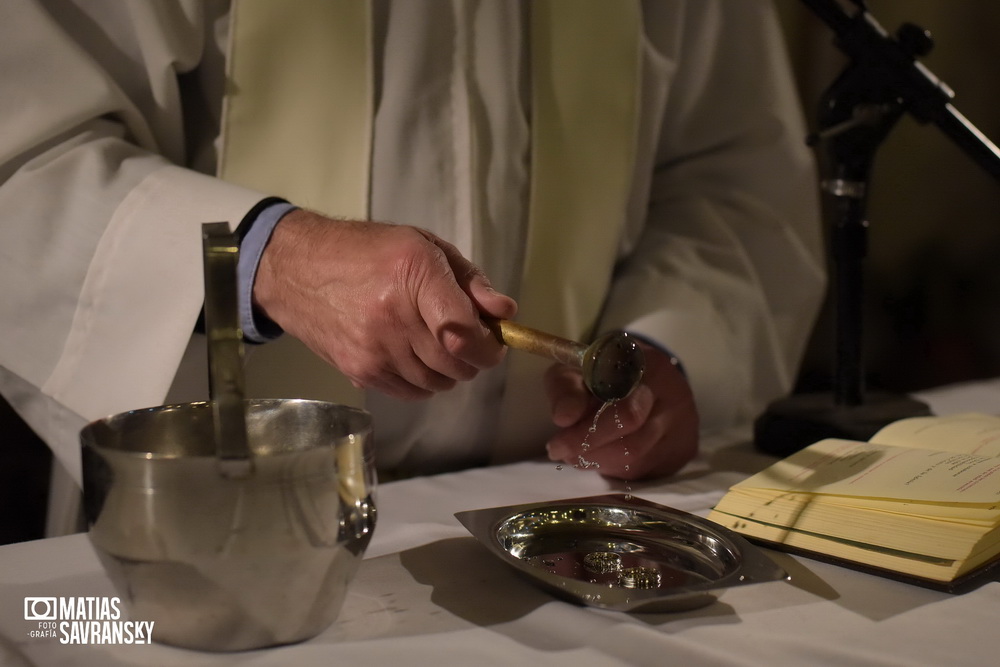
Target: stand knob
<point x="916" y="41"/>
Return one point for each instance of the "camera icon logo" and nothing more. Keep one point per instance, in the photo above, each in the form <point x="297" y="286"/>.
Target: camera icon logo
<point x="40" y="609"/>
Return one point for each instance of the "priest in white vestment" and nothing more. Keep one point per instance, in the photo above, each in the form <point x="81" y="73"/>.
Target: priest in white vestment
<point x="607" y="165"/>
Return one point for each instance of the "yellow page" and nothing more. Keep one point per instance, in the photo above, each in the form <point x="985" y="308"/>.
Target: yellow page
<point x="862" y="469"/>
<point x="942" y="569"/>
<point x="970" y="432"/>
<point x="977" y="515"/>
<point x="918" y="534"/>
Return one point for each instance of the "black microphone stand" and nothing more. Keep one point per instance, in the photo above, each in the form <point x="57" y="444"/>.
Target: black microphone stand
<point x="882" y="81"/>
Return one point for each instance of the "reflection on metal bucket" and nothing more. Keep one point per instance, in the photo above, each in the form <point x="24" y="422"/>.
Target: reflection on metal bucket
<point x="223" y="563"/>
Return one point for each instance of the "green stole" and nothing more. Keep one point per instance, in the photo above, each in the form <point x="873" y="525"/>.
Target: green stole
<point x="298" y="122"/>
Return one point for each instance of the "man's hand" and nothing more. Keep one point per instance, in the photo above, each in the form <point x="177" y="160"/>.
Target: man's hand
<point x="394" y="308"/>
<point x="655" y="434"/>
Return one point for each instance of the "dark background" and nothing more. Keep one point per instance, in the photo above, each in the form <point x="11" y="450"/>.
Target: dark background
<point x="932" y="283"/>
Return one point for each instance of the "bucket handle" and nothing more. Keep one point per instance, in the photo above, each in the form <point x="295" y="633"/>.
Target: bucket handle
<point x="227" y="386"/>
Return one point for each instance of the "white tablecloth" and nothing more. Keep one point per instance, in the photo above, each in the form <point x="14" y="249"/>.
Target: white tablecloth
<point x="428" y="593"/>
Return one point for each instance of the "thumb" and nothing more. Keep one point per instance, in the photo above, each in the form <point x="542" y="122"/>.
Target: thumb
<point x="474" y="282"/>
<point x="489" y="301"/>
<point x="568" y="396"/>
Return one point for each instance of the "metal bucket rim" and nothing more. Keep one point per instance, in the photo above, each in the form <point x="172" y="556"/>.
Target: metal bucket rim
<point x="90" y="439"/>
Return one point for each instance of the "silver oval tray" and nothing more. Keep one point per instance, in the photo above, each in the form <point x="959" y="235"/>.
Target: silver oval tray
<point x="620" y="552"/>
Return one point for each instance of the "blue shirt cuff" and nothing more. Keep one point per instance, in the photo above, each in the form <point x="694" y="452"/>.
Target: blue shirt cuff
<point x="257" y="327"/>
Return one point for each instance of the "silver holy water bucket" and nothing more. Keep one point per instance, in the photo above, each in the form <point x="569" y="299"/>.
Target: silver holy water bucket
<point x="222" y="563"/>
<point x="236" y="523"/>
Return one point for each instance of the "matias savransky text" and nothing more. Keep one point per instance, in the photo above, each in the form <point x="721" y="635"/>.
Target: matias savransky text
<point x="84" y="620"/>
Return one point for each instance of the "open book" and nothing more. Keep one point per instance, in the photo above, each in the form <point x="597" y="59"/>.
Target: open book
<point x="919" y="501"/>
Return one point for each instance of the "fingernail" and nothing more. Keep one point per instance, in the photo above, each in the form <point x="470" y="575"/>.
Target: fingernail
<point x="561" y="415"/>
<point x="567" y="409"/>
<point x="552" y="450"/>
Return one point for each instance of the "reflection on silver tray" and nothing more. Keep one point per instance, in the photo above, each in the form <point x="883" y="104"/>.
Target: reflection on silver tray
<point x="620" y="552"/>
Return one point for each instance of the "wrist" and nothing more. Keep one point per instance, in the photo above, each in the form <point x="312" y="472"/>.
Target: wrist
<point x="255" y="233"/>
